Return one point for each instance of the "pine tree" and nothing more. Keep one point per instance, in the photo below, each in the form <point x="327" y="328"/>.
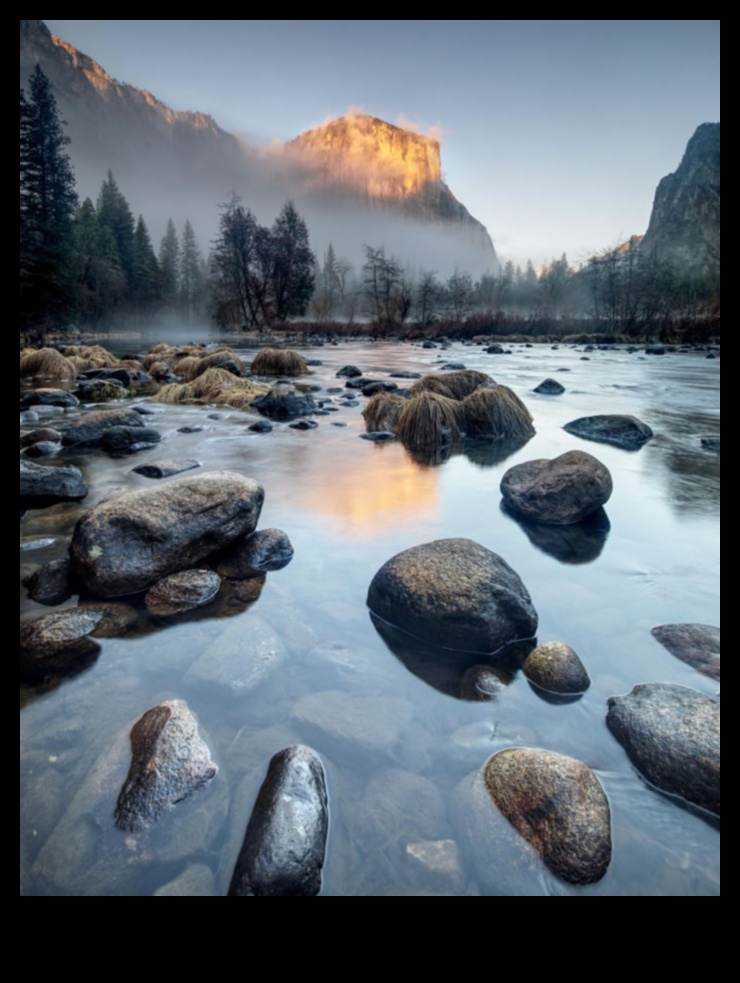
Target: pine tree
<point x="191" y="281"/>
<point x="292" y="277"/>
<point x="169" y="265"/>
<point x="115" y="215"/>
<point x="145" y="278"/>
<point x="47" y="206"/>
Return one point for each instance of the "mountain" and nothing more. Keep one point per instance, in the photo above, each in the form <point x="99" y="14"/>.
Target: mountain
<point x="684" y="223"/>
<point x="357" y="180"/>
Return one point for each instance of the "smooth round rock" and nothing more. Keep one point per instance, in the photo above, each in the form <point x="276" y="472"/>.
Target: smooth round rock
<point x="559" y="491"/>
<point x="182" y="591"/>
<point x="454" y="593"/>
<point x="42" y="484"/>
<point x="263" y="551"/>
<point x="554" y="666"/>
<point x="549" y="387"/>
<point x="558" y="806"/>
<point x="671" y="735"/>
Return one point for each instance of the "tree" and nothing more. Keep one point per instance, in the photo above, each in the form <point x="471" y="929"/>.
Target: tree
<point x="115" y="215"/>
<point x="291" y="276"/>
<point x="145" y="276"/>
<point x="169" y="265"/>
<point x="47" y="206"/>
<point x="191" y="281"/>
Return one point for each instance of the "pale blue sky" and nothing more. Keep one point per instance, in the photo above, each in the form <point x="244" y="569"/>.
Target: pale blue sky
<point x="554" y="133"/>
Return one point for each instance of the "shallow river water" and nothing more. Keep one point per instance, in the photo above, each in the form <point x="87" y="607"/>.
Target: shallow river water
<point x="397" y="739"/>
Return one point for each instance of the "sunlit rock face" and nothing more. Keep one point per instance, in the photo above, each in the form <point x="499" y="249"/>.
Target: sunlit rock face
<point x="370" y="160"/>
<point x="684" y="223"/>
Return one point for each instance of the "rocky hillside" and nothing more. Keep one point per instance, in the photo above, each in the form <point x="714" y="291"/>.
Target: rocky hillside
<point x="684" y="223"/>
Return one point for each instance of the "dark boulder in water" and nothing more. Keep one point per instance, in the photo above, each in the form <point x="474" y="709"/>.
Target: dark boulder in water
<point x="555" y="667"/>
<point x="262" y="551"/>
<point x="42" y="485"/>
<point x="283" y="850"/>
<point x="622" y="431"/>
<point x="549" y="387"/>
<point x="453" y="593"/>
<point x="57" y="642"/>
<point x="129" y="543"/>
<point x="170" y="761"/>
<point x="697" y="645"/>
<point x="50" y="584"/>
<point x="671" y="735"/>
<point x="48" y="397"/>
<point x="349" y="372"/>
<point x="167" y="468"/>
<point x="89" y="432"/>
<point x="560" y="491"/>
<point x="558" y="806"/>
<point x="127" y="440"/>
<point x="182" y="591"/>
<point x="283" y="402"/>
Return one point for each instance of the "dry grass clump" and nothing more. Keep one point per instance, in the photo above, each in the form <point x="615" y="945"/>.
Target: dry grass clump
<point x="496" y="412"/>
<point x="278" y="361"/>
<point x="453" y="385"/>
<point x="213" y="386"/>
<point x="428" y="421"/>
<point x="175" y="392"/>
<point x="190" y="367"/>
<point x="47" y="362"/>
<point x="96" y="356"/>
<point x="382" y="412"/>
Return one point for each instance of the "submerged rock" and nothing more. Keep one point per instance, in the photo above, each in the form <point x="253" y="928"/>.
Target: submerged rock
<point x="57" y="642"/>
<point x="453" y="593"/>
<point x="555" y="667"/>
<point x="283" y="402"/>
<point x="671" y="735"/>
<point x="129" y="543"/>
<point x="40" y="435"/>
<point x="50" y="583"/>
<point x="283" y="850"/>
<point x="697" y="645"/>
<point x="42" y="485"/>
<point x="48" y="397"/>
<point x="126" y="440"/>
<point x="612" y="428"/>
<point x="558" y="806"/>
<point x="170" y="761"/>
<point x="560" y="491"/>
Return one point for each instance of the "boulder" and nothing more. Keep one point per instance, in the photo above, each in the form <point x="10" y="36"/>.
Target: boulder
<point x="559" y="491"/>
<point x="129" y="543"/>
<point x="57" y="642"/>
<point x="671" y="735"/>
<point x="100" y="390"/>
<point x="182" y="592"/>
<point x="48" y="397"/>
<point x="284" y="402"/>
<point x="169" y="762"/>
<point x="50" y="583"/>
<point x="127" y="440"/>
<point x="558" y="806"/>
<point x="42" y="485"/>
<point x="549" y="387"/>
<point x="44" y="448"/>
<point x="283" y="850"/>
<point x="555" y="667"/>
<point x="697" y="645"/>
<point x="349" y="372"/>
<point x="265" y="550"/>
<point x="41" y="434"/>
<point x="612" y="428"/>
<point x="89" y="432"/>
<point x="453" y="593"/>
<point x="166" y="468"/>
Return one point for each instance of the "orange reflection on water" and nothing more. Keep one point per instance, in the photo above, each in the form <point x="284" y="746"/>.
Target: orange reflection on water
<point x="379" y="492"/>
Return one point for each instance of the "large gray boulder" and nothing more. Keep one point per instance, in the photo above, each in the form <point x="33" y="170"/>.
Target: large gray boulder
<point x="129" y="543"/>
<point x="42" y="485"/>
<point x="671" y="735"/>
<point x="559" y="491"/>
<point x="169" y="761"/>
<point x="697" y="645"/>
<point x="284" y="402"/>
<point x="558" y="805"/>
<point x="89" y="431"/>
<point x="283" y="850"/>
<point x="453" y="593"/>
<point x="612" y="428"/>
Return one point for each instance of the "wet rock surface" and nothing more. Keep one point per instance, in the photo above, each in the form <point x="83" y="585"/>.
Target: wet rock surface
<point x="166" y="468"/>
<point x="48" y="397"/>
<point x="671" y="735"/>
<point x="129" y="543"/>
<point x="50" y="584"/>
<point x="454" y="593"/>
<point x="283" y="850"/>
<point x="284" y="402"/>
<point x="558" y="806"/>
<point x="169" y="762"/>
<point x="622" y="431"/>
<point x="42" y="434"/>
<point x="697" y="645"/>
<point x="57" y="642"/>
<point x="549" y="387"/>
<point x="127" y="440"/>
<point x="555" y="667"/>
<point x="42" y="485"/>
<point x="89" y="431"/>
<point x="182" y="591"/>
<point x="563" y="490"/>
<point x="262" y="551"/>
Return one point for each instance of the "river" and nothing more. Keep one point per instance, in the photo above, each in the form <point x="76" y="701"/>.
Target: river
<point x="396" y="741"/>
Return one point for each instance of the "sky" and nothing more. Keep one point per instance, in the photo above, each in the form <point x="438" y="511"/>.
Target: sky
<point x="554" y="133"/>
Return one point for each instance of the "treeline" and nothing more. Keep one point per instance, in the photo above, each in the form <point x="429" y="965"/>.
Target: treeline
<point x="93" y="265"/>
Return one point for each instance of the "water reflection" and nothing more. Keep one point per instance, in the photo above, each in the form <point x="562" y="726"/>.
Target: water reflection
<point x="579" y="542"/>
